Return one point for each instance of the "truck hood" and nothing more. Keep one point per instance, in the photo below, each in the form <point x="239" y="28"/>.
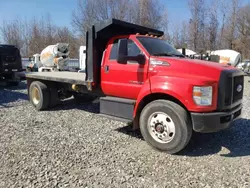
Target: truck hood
<point x="189" y="67"/>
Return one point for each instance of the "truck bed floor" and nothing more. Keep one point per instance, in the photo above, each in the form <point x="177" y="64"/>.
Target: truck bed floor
<point x="62" y="76"/>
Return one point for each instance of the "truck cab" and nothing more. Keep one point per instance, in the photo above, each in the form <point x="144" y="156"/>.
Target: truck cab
<point x="142" y="79"/>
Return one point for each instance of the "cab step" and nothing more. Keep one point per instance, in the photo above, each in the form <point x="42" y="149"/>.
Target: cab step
<point x="117" y="107"/>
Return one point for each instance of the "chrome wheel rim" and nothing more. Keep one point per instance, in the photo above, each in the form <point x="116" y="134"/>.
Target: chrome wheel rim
<point x="161" y="127"/>
<point x="35" y="95"/>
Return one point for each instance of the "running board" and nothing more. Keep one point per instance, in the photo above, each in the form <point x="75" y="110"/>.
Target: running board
<point x="117" y="107"/>
<point x="115" y="118"/>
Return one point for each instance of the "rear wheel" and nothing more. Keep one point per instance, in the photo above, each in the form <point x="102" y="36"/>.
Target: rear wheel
<point x="166" y="126"/>
<point x="39" y="95"/>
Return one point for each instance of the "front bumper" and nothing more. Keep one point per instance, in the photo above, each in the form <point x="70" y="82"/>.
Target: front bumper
<point x="9" y="76"/>
<point x="215" y="121"/>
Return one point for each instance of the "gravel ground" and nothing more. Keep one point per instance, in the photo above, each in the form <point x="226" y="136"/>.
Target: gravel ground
<point x="72" y="146"/>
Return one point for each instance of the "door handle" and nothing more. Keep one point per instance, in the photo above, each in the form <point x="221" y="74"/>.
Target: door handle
<point x="135" y="82"/>
<point x="106" y="68"/>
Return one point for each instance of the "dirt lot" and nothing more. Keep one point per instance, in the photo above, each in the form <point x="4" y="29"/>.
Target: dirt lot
<point x="71" y="146"/>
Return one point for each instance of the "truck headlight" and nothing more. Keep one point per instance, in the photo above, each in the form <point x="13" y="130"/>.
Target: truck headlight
<point x="203" y="95"/>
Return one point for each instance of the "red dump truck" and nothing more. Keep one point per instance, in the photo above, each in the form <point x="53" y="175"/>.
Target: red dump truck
<point x="140" y="78"/>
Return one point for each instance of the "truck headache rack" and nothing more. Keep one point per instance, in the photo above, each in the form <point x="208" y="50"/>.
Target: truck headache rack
<point x="97" y="37"/>
<point x="110" y="28"/>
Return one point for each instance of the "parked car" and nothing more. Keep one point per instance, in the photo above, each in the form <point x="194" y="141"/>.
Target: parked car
<point x="10" y="64"/>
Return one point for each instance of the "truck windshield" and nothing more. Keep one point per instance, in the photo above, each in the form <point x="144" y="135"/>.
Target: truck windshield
<point x="158" y="47"/>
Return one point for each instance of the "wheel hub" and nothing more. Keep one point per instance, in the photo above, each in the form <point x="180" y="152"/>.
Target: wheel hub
<point x="35" y="95"/>
<point x="161" y="127"/>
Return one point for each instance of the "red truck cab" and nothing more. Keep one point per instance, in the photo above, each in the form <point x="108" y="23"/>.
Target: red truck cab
<point x="209" y="91"/>
<point x="140" y="78"/>
<point x="161" y="69"/>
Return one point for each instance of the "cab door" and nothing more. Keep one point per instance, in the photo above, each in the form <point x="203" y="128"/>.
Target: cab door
<point x="123" y="80"/>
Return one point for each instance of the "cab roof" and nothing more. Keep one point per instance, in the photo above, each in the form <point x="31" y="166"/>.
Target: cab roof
<point x="113" y="27"/>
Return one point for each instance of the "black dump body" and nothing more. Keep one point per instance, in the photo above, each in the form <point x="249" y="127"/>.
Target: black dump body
<point x="10" y="59"/>
<point x="97" y="38"/>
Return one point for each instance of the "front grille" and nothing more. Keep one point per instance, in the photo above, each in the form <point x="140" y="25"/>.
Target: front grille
<point x="228" y="96"/>
<point x="228" y="91"/>
<point x="10" y="62"/>
<point x="238" y="81"/>
<point x="9" y="59"/>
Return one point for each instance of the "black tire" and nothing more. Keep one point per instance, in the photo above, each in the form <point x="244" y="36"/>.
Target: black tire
<point x="43" y="95"/>
<point x="83" y="97"/>
<point x="180" y="118"/>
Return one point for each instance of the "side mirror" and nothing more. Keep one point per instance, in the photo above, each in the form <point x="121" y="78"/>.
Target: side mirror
<point x="122" y="56"/>
<point x="122" y="51"/>
<point x="140" y="59"/>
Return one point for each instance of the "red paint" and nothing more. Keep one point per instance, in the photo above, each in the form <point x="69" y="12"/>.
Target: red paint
<point x="176" y="80"/>
<point x="123" y="80"/>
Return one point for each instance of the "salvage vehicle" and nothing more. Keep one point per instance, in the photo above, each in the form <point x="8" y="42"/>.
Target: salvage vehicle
<point x="52" y="58"/>
<point x="140" y="78"/>
<point x="227" y="56"/>
<point x="245" y="66"/>
<point x="10" y="64"/>
<point x="56" y="58"/>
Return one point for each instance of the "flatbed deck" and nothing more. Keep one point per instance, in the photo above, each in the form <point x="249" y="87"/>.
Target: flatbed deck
<point x="62" y="76"/>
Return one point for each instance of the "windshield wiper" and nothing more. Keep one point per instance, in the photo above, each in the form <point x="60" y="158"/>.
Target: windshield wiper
<point x="162" y="54"/>
<point x="168" y="54"/>
<point x="178" y="55"/>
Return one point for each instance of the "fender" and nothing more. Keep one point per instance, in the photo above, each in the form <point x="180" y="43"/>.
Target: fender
<point x="145" y="90"/>
<point x="181" y="88"/>
<point x="158" y="85"/>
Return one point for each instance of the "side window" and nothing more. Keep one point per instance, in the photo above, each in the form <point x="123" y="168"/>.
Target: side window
<point x="133" y="49"/>
<point x="114" y="49"/>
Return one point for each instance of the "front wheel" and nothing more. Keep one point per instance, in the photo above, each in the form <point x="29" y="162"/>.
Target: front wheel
<point x="166" y="126"/>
